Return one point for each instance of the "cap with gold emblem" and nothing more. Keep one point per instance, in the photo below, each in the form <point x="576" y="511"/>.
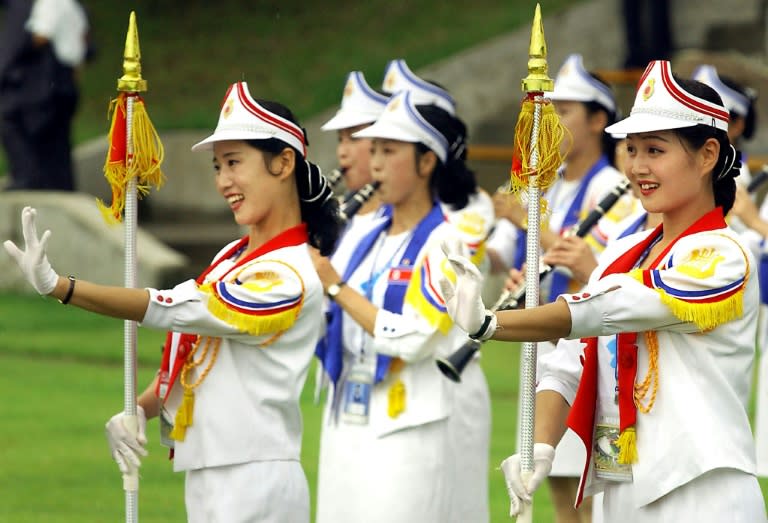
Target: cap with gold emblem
<point x="360" y="104"/>
<point x="661" y="104"/>
<point x="399" y="77"/>
<point x="242" y="118"/>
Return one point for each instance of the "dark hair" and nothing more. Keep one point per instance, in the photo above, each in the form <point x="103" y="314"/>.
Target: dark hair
<point x="727" y="167"/>
<point x="452" y="181"/>
<point x="319" y="210"/>
<point x="750" y="119"/>
<point x="607" y="140"/>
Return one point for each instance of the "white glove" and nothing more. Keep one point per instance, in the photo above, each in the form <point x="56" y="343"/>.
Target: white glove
<point x="463" y="301"/>
<point x="127" y="448"/>
<point x="33" y="260"/>
<point x="543" y="454"/>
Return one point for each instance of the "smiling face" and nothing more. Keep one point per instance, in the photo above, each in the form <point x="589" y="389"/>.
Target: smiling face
<point x="670" y="177"/>
<point x="354" y="156"/>
<point x="253" y="187"/>
<point x="394" y="164"/>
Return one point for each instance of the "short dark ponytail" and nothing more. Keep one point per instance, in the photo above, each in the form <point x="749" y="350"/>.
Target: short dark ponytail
<point x="451" y="181"/>
<point x="728" y="164"/>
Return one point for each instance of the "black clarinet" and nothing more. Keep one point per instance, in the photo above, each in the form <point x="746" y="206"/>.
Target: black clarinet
<point x="758" y="180"/>
<point x="353" y="204"/>
<point x="334" y="178"/>
<point x="453" y="365"/>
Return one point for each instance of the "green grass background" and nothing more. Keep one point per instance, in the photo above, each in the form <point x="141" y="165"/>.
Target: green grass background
<point x="61" y="379"/>
<point x="293" y="51"/>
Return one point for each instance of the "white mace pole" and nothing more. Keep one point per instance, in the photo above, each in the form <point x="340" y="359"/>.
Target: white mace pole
<point x="534" y="85"/>
<point x="131" y="479"/>
<point x="130" y="83"/>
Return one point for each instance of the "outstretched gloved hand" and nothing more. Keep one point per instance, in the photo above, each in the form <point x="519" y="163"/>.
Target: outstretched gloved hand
<point x="32" y="260"/>
<point x="462" y="299"/>
<point x="519" y="490"/>
<point x="127" y="448"/>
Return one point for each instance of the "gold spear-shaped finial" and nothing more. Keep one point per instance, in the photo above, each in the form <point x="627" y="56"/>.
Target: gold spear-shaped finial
<point x="131" y="81"/>
<point x="537" y="79"/>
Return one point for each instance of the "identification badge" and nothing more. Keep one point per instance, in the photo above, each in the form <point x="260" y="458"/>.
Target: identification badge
<point x="606" y="453"/>
<point x="166" y="426"/>
<point x="356" y="395"/>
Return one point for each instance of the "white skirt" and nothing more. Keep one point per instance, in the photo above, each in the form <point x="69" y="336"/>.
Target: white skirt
<point x="432" y="472"/>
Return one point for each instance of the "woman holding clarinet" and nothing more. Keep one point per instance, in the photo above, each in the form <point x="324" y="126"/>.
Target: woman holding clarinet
<point x="399" y="442"/>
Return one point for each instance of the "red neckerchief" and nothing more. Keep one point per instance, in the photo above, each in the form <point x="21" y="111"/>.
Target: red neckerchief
<point x="581" y="418"/>
<point x="290" y="237"/>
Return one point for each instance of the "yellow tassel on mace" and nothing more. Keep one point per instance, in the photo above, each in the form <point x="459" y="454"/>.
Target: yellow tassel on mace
<point x="183" y="416"/>
<point x="142" y="163"/>
<point x="549" y="158"/>
<point x="396" y="399"/>
<point x="627" y="444"/>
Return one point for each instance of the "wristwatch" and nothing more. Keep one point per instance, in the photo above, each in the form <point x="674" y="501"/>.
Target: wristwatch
<point x="334" y="289"/>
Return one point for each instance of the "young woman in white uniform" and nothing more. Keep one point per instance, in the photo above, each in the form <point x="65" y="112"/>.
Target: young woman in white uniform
<point x="250" y="323"/>
<point x="400" y="442"/>
<point x="659" y="344"/>
<point x="475" y="220"/>
<point x="360" y="106"/>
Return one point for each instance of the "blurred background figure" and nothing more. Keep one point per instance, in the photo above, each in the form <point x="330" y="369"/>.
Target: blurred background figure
<point x="360" y="106"/>
<point x="42" y="45"/>
<point x="647" y="32"/>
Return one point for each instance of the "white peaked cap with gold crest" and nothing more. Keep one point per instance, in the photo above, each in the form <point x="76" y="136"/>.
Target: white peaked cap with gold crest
<point x="734" y="101"/>
<point x="661" y="104"/>
<point x="574" y="83"/>
<point x="401" y="121"/>
<point x="242" y="118"/>
<point x="360" y="104"/>
<point x="399" y="77"/>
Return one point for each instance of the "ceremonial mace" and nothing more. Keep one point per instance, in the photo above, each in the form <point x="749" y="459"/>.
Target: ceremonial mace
<point x="536" y="157"/>
<point x="132" y="165"/>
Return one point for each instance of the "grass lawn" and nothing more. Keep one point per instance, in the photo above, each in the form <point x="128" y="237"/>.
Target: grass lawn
<point x="62" y="379"/>
<point x="292" y="51"/>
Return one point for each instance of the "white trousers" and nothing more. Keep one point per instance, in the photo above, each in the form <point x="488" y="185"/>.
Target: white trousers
<point x="256" y="492"/>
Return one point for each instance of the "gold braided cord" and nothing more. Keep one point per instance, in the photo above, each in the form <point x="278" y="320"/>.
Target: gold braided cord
<point x="651" y="381"/>
<point x="192" y="363"/>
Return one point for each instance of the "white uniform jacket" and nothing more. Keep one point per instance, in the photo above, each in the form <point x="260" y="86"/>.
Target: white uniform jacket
<point x="267" y="314"/>
<point x="701" y="301"/>
<point x="420" y="333"/>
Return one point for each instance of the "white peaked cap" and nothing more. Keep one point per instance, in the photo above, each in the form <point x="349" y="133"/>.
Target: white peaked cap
<point x="661" y="104"/>
<point x="242" y="118"/>
<point x="733" y="100"/>
<point x="399" y="77"/>
<point x="574" y="84"/>
<point x="401" y="121"/>
<point x="360" y="104"/>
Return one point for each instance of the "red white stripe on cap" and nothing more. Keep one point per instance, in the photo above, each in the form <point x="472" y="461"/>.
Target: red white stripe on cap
<point x="271" y="118"/>
<point x="692" y="102"/>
